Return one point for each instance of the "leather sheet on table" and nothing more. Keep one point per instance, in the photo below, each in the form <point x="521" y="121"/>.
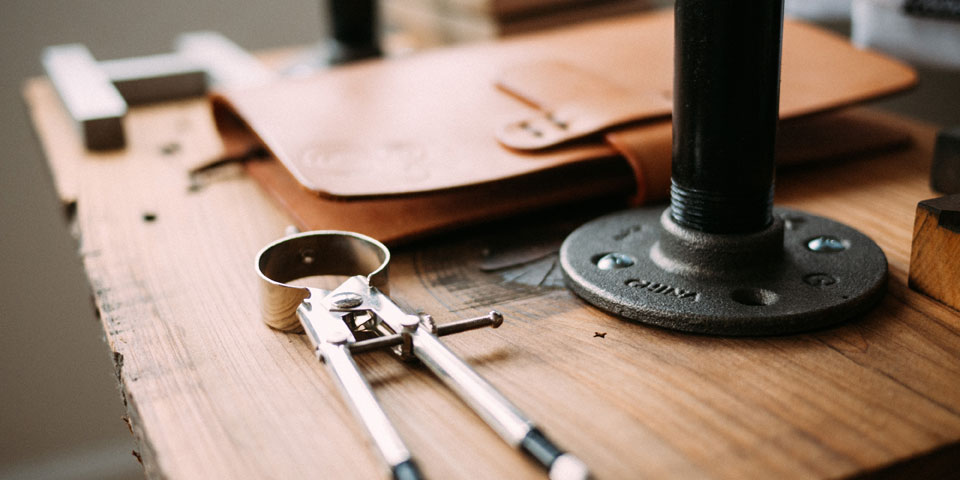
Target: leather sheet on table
<point x="398" y="148"/>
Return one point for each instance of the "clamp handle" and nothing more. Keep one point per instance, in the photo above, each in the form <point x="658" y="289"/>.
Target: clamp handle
<point x="321" y="252"/>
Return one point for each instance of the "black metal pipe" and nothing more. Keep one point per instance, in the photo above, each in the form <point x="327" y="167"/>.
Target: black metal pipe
<point x="726" y="102"/>
<point x="353" y="22"/>
<point x="353" y="25"/>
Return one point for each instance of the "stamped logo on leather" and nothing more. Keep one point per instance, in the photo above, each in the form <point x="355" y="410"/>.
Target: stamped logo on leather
<point x="341" y="168"/>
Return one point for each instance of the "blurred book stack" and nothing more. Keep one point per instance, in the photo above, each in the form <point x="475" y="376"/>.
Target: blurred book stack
<point x="428" y="23"/>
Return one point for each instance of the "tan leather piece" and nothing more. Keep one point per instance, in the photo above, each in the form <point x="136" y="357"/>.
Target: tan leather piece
<point x="821" y="137"/>
<point x="419" y="124"/>
<point x="834" y="135"/>
<point x="237" y="137"/>
<point x="571" y="103"/>
<point x="395" y="220"/>
<point x="428" y="122"/>
<point x="648" y="150"/>
<point x="820" y="71"/>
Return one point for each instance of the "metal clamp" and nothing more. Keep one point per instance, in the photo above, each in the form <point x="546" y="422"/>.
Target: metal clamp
<point x="96" y="94"/>
<point x="358" y="316"/>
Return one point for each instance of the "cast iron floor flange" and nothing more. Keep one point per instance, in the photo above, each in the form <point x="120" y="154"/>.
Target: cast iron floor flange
<point x="825" y="273"/>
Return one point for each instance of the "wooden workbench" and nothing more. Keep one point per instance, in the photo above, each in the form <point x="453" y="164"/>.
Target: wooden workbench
<point x="211" y="392"/>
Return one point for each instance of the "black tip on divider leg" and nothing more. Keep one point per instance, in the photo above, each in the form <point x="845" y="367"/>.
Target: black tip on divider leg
<point x="539" y="448"/>
<point x="407" y="470"/>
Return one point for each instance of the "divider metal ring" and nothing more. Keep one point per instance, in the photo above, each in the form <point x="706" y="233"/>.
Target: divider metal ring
<point x="321" y="252"/>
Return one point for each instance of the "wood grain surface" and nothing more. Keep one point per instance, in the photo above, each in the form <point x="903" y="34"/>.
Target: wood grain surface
<point x="211" y="392"/>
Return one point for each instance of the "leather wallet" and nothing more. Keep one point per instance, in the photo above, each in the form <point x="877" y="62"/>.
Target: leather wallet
<point x="400" y="148"/>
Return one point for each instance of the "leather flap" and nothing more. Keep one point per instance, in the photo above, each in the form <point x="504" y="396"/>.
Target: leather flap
<point x="820" y="71"/>
<point x="571" y="103"/>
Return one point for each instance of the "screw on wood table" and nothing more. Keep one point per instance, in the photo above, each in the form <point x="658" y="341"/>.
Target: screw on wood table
<point x="211" y="392"/>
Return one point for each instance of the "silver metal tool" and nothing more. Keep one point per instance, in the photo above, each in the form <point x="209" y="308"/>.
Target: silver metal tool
<point x="358" y="316"/>
<point x="96" y="94"/>
<point x="85" y="89"/>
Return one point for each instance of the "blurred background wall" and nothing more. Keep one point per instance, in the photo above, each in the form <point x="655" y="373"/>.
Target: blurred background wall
<point x="60" y="412"/>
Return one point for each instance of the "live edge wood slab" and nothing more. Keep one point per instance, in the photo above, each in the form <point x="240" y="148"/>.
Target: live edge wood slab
<point x="211" y="392"/>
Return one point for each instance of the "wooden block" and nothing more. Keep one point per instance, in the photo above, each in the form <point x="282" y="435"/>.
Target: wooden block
<point x="935" y="256"/>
